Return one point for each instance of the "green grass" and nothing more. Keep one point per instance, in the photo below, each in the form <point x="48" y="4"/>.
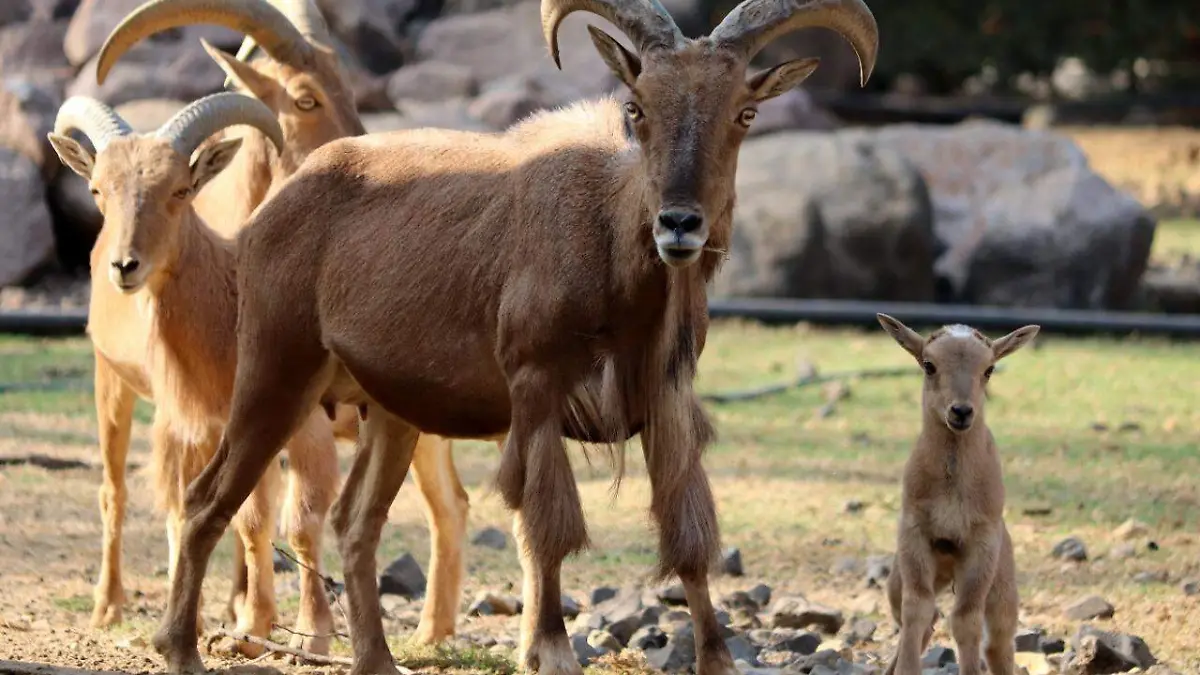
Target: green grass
<point x="79" y="604"/>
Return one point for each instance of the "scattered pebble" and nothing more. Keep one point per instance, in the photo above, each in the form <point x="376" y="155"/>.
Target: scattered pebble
<point x="854" y="506"/>
<point x="673" y="595"/>
<point x="794" y="641"/>
<point x="490" y="537"/>
<point x="648" y="637"/>
<point x="797" y="612"/>
<point x="1029" y="640"/>
<point x="862" y="630"/>
<point x="1091" y="607"/>
<point x="740" y="601"/>
<point x="1071" y="548"/>
<point x="1191" y="587"/>
<point x="678" y="653"/>
<point x="1053" y="645"/>
<point x="403" y="577"/>
<point x="761" y="594"/>
<point x="741" y="649"/>
<point x="583" y="651"/>
<point x="491" y="604"/>
<point x="604" y="642"/>
<point x="731" y="562"/>
<point x="938" y="656"/>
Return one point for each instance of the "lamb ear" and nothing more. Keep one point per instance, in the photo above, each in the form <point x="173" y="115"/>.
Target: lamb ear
<point x="1010" y="343"/>
<point x="909" y="339"/>
<point x="73" y="154"/>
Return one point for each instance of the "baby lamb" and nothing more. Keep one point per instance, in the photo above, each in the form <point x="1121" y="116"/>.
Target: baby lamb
<point x="952" y="510"/>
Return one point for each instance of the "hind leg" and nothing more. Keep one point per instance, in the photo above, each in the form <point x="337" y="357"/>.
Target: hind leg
<point x="385" y="448"/>
<point x="973" y="578"/>
<point x="312" y="487"/>
<point x="1001" y="614"/>
<point x="446" y="508"/>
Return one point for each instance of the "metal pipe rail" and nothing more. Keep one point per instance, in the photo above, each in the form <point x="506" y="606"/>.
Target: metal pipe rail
<point x="819" y="312"/>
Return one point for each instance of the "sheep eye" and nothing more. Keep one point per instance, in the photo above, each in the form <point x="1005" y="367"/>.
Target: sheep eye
<point x="306" y="103"/>
<point x="747" y="116"/>
<point x="182" y="193"/>
<point x="633" y="110"/>
<point x="930" y="369"/>
<point x="988" y="373"/>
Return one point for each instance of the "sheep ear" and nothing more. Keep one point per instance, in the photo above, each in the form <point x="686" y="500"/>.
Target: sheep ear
<point x="623" y="63"/>
<point x="212" y="160"/>
<point x="1010" y="343"/>
<point x="774" y="81"/>
<point x="242" y="74"/>
<point x="73" y="154"/>
<point x="909" y="339"/>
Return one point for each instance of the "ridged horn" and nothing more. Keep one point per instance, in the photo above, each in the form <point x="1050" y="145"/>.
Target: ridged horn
<point x="646" y="22"/>
<point x="307" y="18"/>
<point x="258" y="19"/>
<point x="92" y="118"/>
<point x="188" y="128"/>
<point x="754" y="23"/>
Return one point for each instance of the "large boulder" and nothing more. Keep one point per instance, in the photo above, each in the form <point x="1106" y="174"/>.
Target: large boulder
<point x="1022" y="220"/>
<point x="35" y="47"/>
<point x="95" y="19"/>
<point x="25" y="225"/>
<point x="152" y="69"/>
<point x="374" y="30"/>
<point x="828" y="216"/>
<point x="27" y="113"/>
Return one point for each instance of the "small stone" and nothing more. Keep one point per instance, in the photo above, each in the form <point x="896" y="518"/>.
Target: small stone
<point x="1131" y="648"/>
<point x="854" y="506"/>
<point x="490" y="537"/>
<point x="587" y="622"/>
<point x="1191" y="587"/>
<point x="1150" y="577"/>
<point x="675" y="616"/>
<point x="796" y="612"/>
<point x="281" y="563"/>
<point x="731" y="562"/>
<point x="937" y="657"/>
<point x="673" y="595"/>
<point x="862" y="630"/>
<point x="1071" y="548"/>
<point x="1122" y="551"/>
<point x="624" y="627"/>
<point x="723" y="617"/>
<point x="603" y="641"/>
<point x="1053" y="645"/>
<point x="135" y="642"/>
<point x="570" y="608"/>
<point x="1094" y="657"/>
<point x="1091" y="607"/>
<point x="760" y="594"/>
<point x="403" y="577"/>
<point x="583" y="651"/>
<point x="1029" y="640"/>
<point x="844" y="566"/>
<point x="741" y="649"/>
<point x="678" y="654"/>
<point x="794" y="641"/>
<point x="648" y="637"/>
<point x="827" y="658"/>
<point x="1131" y="529"/>
<point x="601" y="594"/>
<point x="878" y="569"/>
<point x="740" y="600"/>
<point x="489" y="604"/>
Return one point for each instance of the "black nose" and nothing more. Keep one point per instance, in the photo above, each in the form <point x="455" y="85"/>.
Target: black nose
<point x="961" y="412"/>
<point x="682" y="222"/>
<point x="126" y="266"/>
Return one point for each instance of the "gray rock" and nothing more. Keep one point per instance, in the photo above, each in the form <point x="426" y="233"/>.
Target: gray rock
<point x="1029" y="640"/>
<point x="604" y="642"/>
<point x="1093" y="656"/>
<point x="828" y="216"/>
<point x="1071" y="548"/>
<point x="1088" y="608"/>
<point x="937" y="657"/>
<point x="1191" y="587"/>
<point x="281" y="563"/>
<point x="490" y="537"/>
<point x="27" y="112"/>
<point x="826" y="658"/>
<point x="844" y="566"/>
<point x="431" y="81"/>
<point x="625" y="602"/>
<point x="27" y="230"/>
<point x="673" y="596"/>
<point x="878" y="569"/>
<point x="794" y="641"/>
<point x="587" y="622"/>
<point x="403" y="577"/>
<point x="173" y="70"/>
<point x="792" y="110"/>
<point x="739" y="600"/>
<point x="741" y="649"/>
<point x="583" y="650"/>
<point x="862" y="630"/>
<point x="1021" y="219"/>
<point x="761" y="594"/>
<point x="625" y="626"/>
<point x="796" y="612"/>
<point x="372" y="30"/>
<point x="1130" y="647"/>
<point x="677" y="655"/>
<point x="601" y="594"/>
<point x="731" y="562"/>
<point x="648" y="637"/>
<point x="1053" y="645"/>
<point x="854" y="506"/>
<point x="570" y="607"/>
<point x="95" y="19"/>
<point x="493" y="604"/>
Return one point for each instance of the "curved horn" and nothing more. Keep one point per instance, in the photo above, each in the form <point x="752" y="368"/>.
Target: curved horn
<point x="258" y="19"/>
<point x="188" y="128"/>
<point x="307" y="18"/>
<point x="646" y="22"/>
<point x="754" y="23"/>
<point x="92" y="118"/>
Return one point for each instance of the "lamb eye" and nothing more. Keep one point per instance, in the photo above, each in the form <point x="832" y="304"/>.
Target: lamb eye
<point x="306" y="103"/>
<point x="182" y="193"/>
<point x="988" y="373"/>
<point x="633" y="110"/>
<point x="95" y="192"/>
<point x="747" y="116"/>
<point x="930" y="369"/>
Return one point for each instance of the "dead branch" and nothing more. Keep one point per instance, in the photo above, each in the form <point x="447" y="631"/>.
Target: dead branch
<point x="301" y="654"/>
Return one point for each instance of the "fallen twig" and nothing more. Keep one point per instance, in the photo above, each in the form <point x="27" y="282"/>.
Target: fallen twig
<point x="290" y="651"/>
<point x="334" y="634"/>
<point x="330" y="587"/>
<point x="811" y="377"/>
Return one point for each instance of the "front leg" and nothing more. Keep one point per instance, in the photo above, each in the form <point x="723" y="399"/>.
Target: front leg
<point x="676" y="434"/>
<point x="114" y="412"/>
<point x="973" y="578"/>
<point x="915" y="570"/>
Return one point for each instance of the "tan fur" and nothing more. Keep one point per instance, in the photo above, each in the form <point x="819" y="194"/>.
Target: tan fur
<point x="313" y="105"/>
<point x="952" y="527"/>
<point x="539" y="283"/>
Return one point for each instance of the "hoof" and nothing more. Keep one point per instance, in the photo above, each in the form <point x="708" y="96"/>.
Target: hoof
<point x="375" y="664"/>
<point x="551" y="656"/>
<point x="313" y="645"/>
<point x="427" y="635"/>
<point x="106" y="614"/>
<point x="181" y="656"/>
<point x="228" y="647"/>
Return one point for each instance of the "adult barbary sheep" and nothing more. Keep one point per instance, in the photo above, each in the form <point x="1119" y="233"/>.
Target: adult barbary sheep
<point x="302" y="82"/>
<point x="161" y="320"/>
<point x="952" y="510"/>
<point x="545" y="282"/>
